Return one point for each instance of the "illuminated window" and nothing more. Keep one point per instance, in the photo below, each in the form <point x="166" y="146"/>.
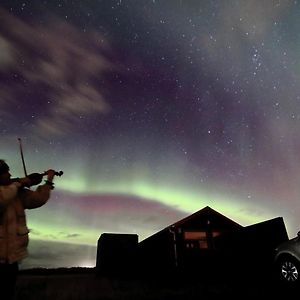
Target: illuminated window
<point x="199" y="239"/>
<point x="194" y="235"/>
<point x="215" y="233"/>
<point x="203" y="244"/>
<point x="196" y="239"/>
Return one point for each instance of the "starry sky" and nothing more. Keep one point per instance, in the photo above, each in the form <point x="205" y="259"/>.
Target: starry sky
<point x="153" y="109"/>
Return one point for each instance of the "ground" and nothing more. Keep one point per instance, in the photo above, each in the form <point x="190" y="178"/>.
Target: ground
<point x="87" y="285"/>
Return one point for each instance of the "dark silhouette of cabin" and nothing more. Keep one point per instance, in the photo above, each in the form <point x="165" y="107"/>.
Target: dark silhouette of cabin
<point x="202" y="244"/>
<point x="188" y="244"/>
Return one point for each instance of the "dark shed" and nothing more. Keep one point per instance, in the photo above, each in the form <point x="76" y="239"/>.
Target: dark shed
<point x="116" y="253"/>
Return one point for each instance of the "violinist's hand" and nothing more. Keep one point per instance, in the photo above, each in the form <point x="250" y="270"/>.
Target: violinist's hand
<point x="50" y="174"/>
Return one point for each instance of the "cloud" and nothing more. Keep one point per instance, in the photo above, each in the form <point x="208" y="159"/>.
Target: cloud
<point x="62" y="235"/>
<point x="69" y="235"/>
<point x="6" y="54"/>
<point x="60" y="66"/>
<point x="48" y="254"/>
<point x="35" y="232"/>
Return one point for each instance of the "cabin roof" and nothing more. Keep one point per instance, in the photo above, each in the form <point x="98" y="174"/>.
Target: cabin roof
<point x="206" y="212"/>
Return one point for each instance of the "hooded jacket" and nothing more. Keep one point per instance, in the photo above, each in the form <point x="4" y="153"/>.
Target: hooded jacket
<point x="13" y="227"/>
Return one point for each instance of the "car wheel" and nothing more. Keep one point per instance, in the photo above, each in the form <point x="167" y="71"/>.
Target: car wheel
<point x="289" y="270"/>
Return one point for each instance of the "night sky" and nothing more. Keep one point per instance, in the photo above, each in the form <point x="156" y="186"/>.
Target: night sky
<point x="153" y="110"/>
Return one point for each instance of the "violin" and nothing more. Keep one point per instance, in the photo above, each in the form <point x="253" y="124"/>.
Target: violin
<point x="36" y="178"/>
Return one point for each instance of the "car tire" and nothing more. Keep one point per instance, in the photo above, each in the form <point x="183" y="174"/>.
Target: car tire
<point x="289" y="270"/>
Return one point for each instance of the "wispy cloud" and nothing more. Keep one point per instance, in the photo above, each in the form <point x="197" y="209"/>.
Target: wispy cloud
<point x="6" y="54"/>
<point x="69" y="235"/>
<point x="57" y="64"/>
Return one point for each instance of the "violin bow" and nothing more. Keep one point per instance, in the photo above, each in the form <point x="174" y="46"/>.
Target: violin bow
<point x="22" y="156"/>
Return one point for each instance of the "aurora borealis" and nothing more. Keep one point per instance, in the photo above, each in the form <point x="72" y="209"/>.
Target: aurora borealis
<point x="153" y="110"/>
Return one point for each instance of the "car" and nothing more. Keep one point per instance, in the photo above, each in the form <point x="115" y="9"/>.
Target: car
<point x="287" y="261"/>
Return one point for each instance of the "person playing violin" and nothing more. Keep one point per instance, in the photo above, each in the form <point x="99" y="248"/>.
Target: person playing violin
<point x="15" y="197"/>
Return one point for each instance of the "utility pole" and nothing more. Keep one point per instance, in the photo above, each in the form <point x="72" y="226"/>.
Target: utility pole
<point x="173" y="232"/>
